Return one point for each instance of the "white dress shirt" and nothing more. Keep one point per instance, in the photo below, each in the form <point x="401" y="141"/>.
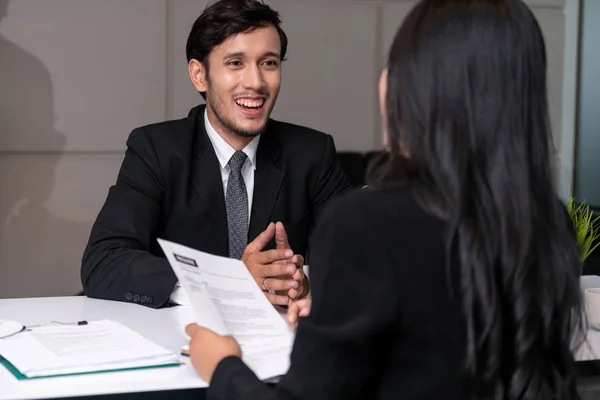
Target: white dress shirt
<point x="224" y="153"/>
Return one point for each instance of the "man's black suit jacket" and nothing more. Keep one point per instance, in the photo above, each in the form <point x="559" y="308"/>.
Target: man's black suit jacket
<point x="170" y="186"/>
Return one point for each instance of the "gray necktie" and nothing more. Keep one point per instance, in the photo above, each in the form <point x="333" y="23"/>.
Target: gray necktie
<point x="236" y="202"/>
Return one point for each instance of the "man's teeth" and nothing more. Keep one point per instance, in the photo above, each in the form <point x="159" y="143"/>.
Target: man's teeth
<point x="250" y="103"/>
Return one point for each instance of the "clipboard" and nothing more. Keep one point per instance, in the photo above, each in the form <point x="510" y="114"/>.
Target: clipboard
<point x="36" y="356"/>
<point x="17" y="374"/>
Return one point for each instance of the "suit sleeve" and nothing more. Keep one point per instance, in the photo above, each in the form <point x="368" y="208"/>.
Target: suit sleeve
<point x="331" y="179"/>
<point x="117" y="263"/>
<point x="339" y="346"/>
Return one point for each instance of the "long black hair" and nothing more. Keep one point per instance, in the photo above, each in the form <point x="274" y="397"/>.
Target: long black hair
<point x="468" y="126"/>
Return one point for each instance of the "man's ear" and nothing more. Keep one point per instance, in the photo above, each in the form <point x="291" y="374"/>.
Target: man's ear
<point x="197" y="75"/>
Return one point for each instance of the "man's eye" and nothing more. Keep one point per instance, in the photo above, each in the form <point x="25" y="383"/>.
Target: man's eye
<point x="234" y="63"/>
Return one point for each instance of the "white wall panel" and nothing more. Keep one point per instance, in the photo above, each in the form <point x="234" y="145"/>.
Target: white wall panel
<point x="86" y="70"/>
<point x="47" y="206"/>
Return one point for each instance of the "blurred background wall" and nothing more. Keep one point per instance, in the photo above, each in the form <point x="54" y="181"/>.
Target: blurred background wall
<point x="76" y="76"/>
<point x="587" y="178"/>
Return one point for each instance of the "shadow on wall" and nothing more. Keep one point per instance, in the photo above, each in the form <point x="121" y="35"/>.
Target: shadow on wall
<point x="36" y="247"/>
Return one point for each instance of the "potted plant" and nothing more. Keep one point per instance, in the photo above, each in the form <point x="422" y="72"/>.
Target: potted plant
<point x="587" y="228"/>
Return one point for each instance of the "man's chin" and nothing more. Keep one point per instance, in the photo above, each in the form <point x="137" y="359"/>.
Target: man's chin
<point x="250" y="132"/>
<point x="247" y="134"/>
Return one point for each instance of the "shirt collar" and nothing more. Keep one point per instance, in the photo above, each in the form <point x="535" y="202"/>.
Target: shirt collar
<point x="223" y="150"/>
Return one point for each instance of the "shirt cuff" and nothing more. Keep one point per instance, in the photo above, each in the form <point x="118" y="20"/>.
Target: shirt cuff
<point x="179" y="296"/>
<point x="307" y="295"/>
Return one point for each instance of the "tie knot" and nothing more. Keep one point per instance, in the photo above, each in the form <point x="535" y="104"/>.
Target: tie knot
<point x="237" y="161"/>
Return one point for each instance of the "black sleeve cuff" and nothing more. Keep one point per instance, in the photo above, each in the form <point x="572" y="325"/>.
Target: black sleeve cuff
<point x="233" y="379"/>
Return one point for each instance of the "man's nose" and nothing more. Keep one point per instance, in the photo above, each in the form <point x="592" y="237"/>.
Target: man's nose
<point x="253" y="78"/>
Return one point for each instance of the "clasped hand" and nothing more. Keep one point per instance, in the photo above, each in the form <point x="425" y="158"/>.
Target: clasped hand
<point x="278" y="272"/>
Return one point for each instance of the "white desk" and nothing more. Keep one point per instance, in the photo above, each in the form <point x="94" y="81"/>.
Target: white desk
<point x="164" y="327"/>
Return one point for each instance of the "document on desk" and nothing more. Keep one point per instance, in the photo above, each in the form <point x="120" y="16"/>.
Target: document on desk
<point x="226" y="299"/>
<point x="97" y="347"/>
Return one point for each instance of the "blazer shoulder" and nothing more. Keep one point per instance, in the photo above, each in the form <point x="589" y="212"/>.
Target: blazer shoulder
<point x="289" y="133"/>
<point x="164" y="136"/>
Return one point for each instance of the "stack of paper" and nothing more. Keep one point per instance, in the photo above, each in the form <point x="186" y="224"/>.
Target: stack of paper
<point x="226" y="299"/>
<point x="100" y="346"/>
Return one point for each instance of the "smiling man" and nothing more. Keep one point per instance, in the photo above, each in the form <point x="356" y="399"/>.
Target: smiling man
<point x="227" y="179"/>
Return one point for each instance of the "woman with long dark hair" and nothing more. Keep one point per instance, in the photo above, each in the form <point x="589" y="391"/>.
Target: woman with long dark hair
<point x="455" y="274"/>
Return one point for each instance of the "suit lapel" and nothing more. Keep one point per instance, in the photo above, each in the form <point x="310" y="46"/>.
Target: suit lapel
<point x="206" y="179"/>
<point x="267" y="182"/>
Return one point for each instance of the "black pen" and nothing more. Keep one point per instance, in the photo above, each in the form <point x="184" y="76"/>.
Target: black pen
<point x="50" y="323"/>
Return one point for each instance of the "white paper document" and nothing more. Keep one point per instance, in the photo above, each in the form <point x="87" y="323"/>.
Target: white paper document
<point x="226" y="299"/>
<point x="99" y="346"/>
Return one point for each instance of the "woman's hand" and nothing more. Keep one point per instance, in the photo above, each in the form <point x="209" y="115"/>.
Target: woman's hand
<point x="207" y="349"/>
<point x="297" y="309"/>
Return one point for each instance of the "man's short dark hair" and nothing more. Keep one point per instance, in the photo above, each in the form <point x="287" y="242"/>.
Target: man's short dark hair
<point x="226" y="18"/>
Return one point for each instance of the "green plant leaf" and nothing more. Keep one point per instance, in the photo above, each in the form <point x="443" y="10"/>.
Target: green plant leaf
<point x="586" y="227"/>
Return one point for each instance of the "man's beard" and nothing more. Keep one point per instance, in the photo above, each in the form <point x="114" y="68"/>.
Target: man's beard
<point x="229" y="125"/>
<point x="236" y="130"/>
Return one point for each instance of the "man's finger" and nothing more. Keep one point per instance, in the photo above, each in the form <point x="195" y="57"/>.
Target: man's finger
<point x="281" y="239"/>
<point x="293" y="293"/>
<point x="280" y="284"/>
<point x="298" y="260"/>
<point x="298" y="275"/>
<point x="278" y="300"/>
<point x="285" y="261"/>
<point x="261" y="240"/>
<point x="270" y="256"/>
<point x="279" y="270"/>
